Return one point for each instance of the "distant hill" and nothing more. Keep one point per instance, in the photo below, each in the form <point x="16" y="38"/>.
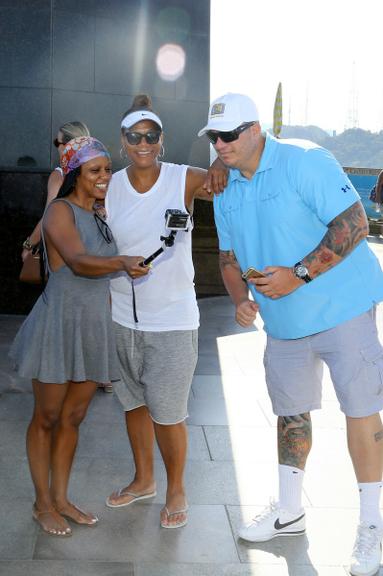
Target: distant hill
<point x="354" y="147"/>
<point x="312" y="133"/>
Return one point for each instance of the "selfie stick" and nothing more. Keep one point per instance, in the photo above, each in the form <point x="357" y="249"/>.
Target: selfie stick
<point x="167" y="242"/>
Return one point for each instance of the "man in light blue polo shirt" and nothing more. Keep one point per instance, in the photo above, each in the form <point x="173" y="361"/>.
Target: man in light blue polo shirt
<point x="290" y="212"/>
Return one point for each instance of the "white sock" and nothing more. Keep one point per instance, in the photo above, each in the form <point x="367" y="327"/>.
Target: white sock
<point x="369" y="494"/>
<point x="290" y="488"/>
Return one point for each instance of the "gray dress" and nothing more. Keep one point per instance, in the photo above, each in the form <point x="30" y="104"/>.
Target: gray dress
<point x="68" y="335"/>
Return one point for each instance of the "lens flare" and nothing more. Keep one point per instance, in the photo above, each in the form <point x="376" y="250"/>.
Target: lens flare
<point x="170" y="62"/>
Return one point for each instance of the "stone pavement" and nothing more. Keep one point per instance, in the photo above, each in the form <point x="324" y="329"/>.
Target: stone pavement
<point x="230" y="475"/>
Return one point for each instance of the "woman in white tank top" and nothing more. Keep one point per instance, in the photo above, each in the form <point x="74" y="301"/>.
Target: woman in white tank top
<point x="156" y="320"/>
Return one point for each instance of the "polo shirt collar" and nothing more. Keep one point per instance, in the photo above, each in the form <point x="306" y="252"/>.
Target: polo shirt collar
<point x="267" y="159"/>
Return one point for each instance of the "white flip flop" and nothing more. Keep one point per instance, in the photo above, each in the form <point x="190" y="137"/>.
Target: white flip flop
<point x="136" y="498"/>
<point x="177" y="524"/>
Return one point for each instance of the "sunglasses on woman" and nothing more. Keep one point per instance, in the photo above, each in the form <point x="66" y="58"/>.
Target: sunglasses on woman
<point x="134" y="138"/>
<point x="57" y="143"/>
<point x="104" y="229"/>
<point x="230" y="136"/>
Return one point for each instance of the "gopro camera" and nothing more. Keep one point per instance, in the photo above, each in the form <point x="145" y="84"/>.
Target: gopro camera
<point x="177" y="220"/>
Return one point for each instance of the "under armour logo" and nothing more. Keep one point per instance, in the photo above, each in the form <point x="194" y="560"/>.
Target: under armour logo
<point x="347" y="187"/>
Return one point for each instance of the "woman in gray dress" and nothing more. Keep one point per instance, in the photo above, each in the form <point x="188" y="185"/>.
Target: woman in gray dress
<point x="66" y="344"/>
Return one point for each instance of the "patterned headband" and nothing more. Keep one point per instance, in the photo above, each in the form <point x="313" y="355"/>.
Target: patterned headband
<point x="79" y="150"/>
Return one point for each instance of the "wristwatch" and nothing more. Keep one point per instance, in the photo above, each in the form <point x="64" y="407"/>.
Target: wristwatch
<point x="27" y="244"/>
<point x="301" y="272"/>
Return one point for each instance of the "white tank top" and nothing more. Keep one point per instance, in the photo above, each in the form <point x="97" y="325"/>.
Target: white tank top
<point x="165" y="298"/>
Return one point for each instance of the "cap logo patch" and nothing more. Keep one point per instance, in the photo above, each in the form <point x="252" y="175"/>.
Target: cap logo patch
<point x="218" y="109"/>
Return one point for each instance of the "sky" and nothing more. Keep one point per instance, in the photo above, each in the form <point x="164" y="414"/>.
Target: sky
<point x="326" y="53"/>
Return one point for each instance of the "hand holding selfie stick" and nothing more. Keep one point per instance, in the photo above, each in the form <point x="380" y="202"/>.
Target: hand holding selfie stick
<point x="167" y="242"/>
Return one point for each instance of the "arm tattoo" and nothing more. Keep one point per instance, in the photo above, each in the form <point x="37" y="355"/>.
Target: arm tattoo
<point x="294" y="439"/>
<point x="378" y="436"/>
<point x="342" y="236"/>
<point x="227" y="258"/>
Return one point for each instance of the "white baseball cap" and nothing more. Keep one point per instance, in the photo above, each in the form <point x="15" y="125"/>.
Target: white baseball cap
<point x="229" y="112"/>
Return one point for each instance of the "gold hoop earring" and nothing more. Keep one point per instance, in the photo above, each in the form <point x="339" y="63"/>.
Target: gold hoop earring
<point x="162" y="151"/>
<point x="123" y="154"/>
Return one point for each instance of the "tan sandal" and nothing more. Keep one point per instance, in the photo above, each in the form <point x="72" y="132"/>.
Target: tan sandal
<point x="92" y="522"/>
<point x="37" y="515"/>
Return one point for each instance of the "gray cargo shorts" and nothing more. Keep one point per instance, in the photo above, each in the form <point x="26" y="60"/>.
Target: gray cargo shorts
<point x="156" y="371"/>
<point x="354" y="356"/>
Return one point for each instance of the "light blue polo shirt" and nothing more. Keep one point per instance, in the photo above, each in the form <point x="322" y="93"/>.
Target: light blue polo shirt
<point x="280" y="216"/>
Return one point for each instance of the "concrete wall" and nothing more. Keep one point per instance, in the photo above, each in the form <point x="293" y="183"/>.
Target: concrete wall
<point x="84" y="60"/>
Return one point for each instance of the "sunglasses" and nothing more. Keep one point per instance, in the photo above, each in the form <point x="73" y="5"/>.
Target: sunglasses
<point x="57" y="143"/>
<point x="134" y="138"/>
<point x="230" y="136"/>
<point x="104" y="229"/>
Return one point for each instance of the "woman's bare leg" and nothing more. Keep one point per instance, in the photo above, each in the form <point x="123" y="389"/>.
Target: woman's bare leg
<point x="75" y="406"/>
<point x="49" y="399"/>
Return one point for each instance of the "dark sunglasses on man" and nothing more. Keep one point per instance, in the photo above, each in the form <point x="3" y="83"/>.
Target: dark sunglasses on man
<point x="229" y="136"/>
<point x="134" y="138"/>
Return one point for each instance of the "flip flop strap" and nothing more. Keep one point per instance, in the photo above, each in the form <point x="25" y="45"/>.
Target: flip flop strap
<point x="123" y="493"/>
<point x="182" y="511"/>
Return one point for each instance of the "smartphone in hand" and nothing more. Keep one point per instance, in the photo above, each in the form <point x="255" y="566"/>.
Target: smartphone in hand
<point x="252" y="273"/>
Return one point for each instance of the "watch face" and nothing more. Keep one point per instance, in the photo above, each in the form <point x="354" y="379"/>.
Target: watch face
<point x="301" y="271"/>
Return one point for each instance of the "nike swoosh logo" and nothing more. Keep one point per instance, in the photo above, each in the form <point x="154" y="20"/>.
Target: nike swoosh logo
<point x="279" y="526"/>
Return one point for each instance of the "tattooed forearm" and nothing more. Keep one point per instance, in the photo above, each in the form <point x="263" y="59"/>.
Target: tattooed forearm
<point x="231" y="276"/>
<point x="294" y="439"/>
<point x="343" y="235"/>
<point x="227" y="258"/>
<point x="378" y="436"/>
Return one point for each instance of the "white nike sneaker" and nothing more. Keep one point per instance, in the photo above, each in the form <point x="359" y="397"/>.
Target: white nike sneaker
<point x="273" y="522"/>
<point x="367" y="552"/>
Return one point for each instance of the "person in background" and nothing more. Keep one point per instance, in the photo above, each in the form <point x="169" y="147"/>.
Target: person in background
<point x="290" y="212"/>
<point x="156" y="318"/>
<point x="377" y="194"/>
<point x="66" y="344"/>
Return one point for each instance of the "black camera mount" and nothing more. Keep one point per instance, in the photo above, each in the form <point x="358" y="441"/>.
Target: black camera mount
<point x="168" y="241"/>
<point x="175" y="220"/>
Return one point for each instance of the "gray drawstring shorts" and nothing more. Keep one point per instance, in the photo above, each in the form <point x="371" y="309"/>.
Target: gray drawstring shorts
<point x="156" y="371"/>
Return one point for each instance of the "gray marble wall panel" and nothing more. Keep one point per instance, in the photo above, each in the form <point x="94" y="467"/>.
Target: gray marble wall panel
<point x="76" y="7"/>
<point x="25" y="128"/>
<point x="198" y="14"/>
<point x="73" y="51"/>
<point x="194" y="83"/>
<point x="25" y="46"/>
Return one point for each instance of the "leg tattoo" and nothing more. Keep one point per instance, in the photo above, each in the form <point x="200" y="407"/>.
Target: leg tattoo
<point x="378" y="436"/>
<point x="294" y="440"/>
